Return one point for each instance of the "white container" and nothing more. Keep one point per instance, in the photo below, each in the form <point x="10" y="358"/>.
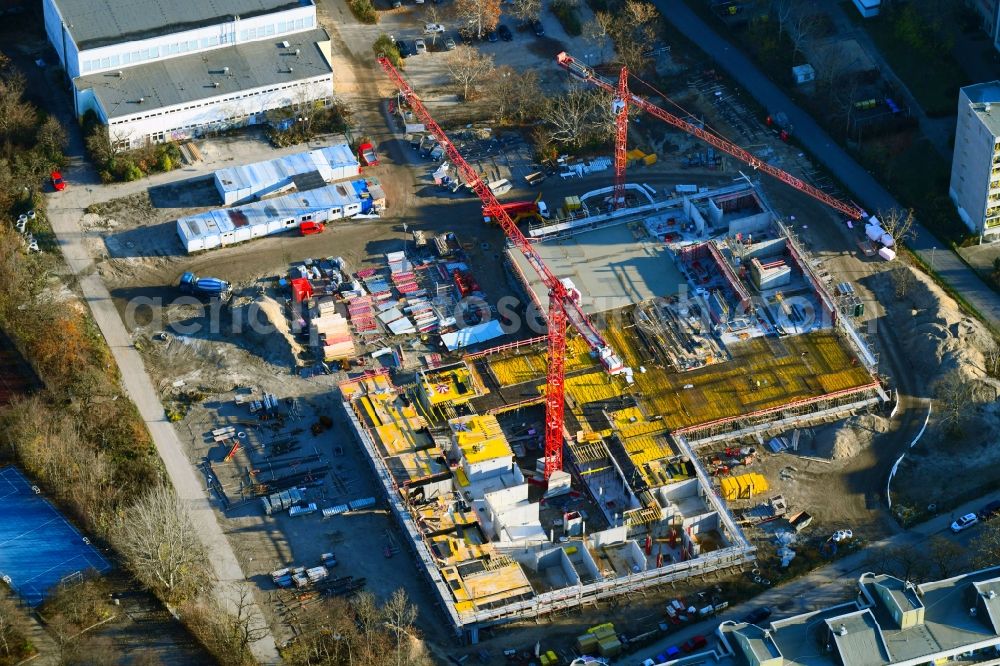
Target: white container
<point x="887" y="254"/>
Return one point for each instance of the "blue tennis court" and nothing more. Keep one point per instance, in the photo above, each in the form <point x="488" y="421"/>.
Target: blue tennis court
<point x="38" y="547"/>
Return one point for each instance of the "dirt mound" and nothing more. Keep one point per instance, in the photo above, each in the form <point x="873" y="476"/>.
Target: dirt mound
<point x="937" y="337"/>
<point x="845" y="439"/>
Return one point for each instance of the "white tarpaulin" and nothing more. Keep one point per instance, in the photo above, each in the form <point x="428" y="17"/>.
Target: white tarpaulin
<point x="471" y="335"/>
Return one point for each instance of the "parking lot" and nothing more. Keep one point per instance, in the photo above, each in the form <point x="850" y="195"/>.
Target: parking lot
<point x="428" y="73"/>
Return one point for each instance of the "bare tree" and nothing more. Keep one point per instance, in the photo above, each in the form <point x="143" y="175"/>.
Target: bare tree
<point x="161" y="546"/>
<point x="515" y="94"/>
<point x="399" y="617"/>
<point x="804" y="28"/>
<point x="469" y="67"/>
<point x="477" y="17"/>
<point x="782" y="11"/>
<point x="248" y="626"/>
<point x="986" y="547"/>
<point x="946" y="556"/>
<point x="597" y="30"/>
<point x="898" y="224"/>
<point x="955" y="395"/>
<point x="51" y="137"/>
<point x="902" y="280"/>
<point x="369" y="620"/>
<point x="909" y="563"/>
<point x="572" y="116"/>
<point x="526" y="10"/>
<point x="11" y="628"/>
<point x="991" y="352"/>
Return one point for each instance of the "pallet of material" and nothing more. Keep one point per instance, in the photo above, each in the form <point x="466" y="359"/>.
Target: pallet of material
<point x="339" y="351"/>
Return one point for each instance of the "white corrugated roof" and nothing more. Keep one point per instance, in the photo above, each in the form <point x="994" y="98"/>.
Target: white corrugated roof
<point x="294" y="205"/>
<point x="261" y="176"/>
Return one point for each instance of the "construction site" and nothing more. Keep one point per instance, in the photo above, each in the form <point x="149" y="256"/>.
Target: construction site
<point x="553" y="472"/>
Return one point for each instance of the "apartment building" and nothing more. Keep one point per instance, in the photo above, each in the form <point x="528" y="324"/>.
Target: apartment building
<point x="156" y="71"/>
<point x="975" y="167"/>
<point x="891" y="622"/>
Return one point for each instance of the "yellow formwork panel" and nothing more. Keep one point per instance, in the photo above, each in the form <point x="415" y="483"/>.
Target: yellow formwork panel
<point x="764" y="373"/>
<point x="743" y="486"/>
<point x="590" y="387"/>
<point x="531" y="364"/>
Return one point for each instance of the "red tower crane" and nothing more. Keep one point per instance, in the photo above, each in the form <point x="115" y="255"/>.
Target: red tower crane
<point x="587" y="74"/>
<point x="563" y="303"/>
<point x="620" y="109"/>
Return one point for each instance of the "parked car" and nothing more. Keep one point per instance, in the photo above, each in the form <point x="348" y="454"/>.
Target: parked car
<point x="990" y="510"/>
<point x="694" y="643"/>
<point x="310" y="228"/>
<point x="57" y="181"/>
<point x="420" y="47"/>
<point x="505" y="33"/>
<point x="449" y="44"/>
<point x="964" y="523"/>
<point x="757" y="615"/>
<point x="404" y="49"/>
<point x="492" y="36"/>
<point x="433" y="28"/>
<point x="396" y="4"/>
<point x="537" y="26"/>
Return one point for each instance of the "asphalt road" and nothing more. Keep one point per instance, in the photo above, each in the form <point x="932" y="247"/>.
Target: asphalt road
<point x="872" y="195"/>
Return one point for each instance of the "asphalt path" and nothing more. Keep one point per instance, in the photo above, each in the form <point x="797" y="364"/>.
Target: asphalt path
<point x="65" y="210"/>
<point x="872" y="196"/>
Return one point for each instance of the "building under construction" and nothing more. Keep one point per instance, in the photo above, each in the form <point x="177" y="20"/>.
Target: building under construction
<point x="727" y="330"/>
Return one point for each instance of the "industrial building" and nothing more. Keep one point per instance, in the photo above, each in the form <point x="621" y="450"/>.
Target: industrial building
<point x="227" y="226"/>
<point x="891" y="622"/>
<point x="155" y="72"/>
<point x="975" y="166"/>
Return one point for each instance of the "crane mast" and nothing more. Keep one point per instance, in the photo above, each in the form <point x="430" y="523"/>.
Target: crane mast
<point x="563" y="308"/>
<point x="587" y="74"/>
<point x="619" y="107"/>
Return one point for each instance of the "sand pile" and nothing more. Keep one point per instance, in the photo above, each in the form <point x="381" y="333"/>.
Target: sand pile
<point x="936" y="336"/>
<point x="846" y="439"/>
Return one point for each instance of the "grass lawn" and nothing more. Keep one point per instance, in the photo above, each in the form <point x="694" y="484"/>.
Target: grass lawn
<point x="933" y="79"/>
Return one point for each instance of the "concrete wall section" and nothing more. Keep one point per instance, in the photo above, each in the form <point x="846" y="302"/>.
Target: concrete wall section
<point x="751" y="224"/>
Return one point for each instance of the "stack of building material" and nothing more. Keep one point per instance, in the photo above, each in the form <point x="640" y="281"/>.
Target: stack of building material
<point x="317" y="574"/>
<point x="744" y="486"/>
<point x="602" y="639"/>
<point x="362" y="314"/>
<point x="334" y="510"/>
<point x="423" y="314"/>
<point x="362" y="503"/>
<point x="281" y="501"/>
<point x="377" y="286"/>
<point x="406" y="283"/>
<point x="398" y="263"/>
<point x="333" y="333"/>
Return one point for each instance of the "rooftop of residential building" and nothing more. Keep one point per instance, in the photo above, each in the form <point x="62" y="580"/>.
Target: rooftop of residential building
<point x="985" y="100"/>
